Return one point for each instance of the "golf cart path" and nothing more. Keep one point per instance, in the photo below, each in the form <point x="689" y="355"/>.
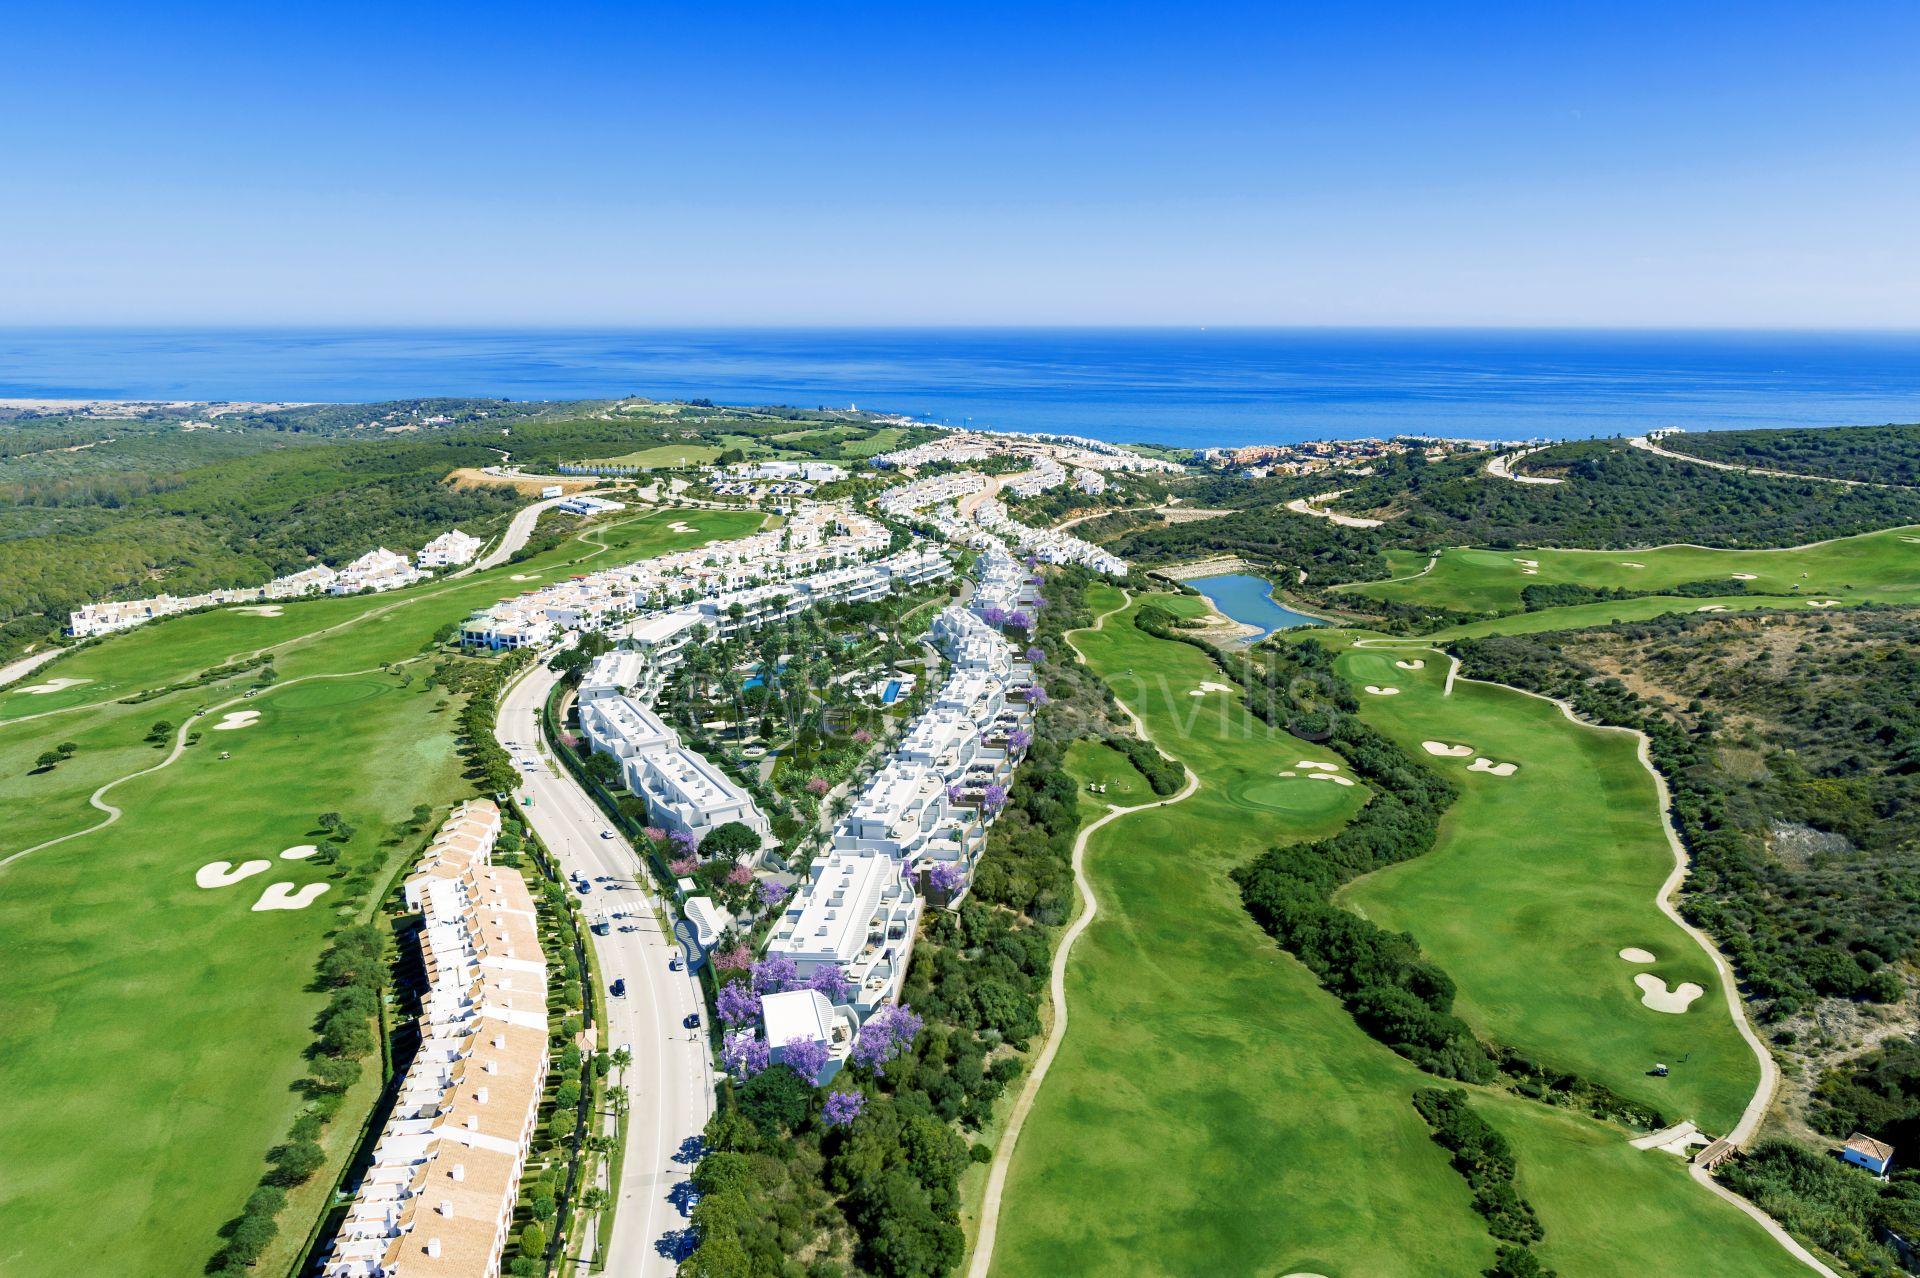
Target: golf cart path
<point x="1756" y="1109"/>
<point x="982" y="1260"/>
<point x="1501" y="467"/>
<point x="1647" y="445"/>
<point x="98" y="798"/>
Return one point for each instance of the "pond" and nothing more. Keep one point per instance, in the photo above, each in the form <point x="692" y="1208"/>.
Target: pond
<point x="1249" y="600"/>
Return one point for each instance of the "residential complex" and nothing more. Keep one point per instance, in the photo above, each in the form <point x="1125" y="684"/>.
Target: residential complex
<point x="379" y="569"/>
<point x="437" y="1201"/>
<point x="1047" y="452"/>
<point x="448" y="550"/>
<point x="684" y="791"/>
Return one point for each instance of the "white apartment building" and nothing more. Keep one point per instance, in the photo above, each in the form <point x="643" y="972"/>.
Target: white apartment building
<point x="376" y="570"/>
<point x="809" y="1016"/>
<point x="448" y="550"/>
<point x="683" y="790"/>
<point x="858" y="911"/>
<point x="438" y="1199"/>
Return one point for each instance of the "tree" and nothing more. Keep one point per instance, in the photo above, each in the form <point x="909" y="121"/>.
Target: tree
<point x="295" y="1162"/>
<point x="730" y="840"/>
<point x="47" y="760"/>
<point x="533" y="1241"/>
<point x="67" y="749"/>
<point x="621" y="1059"/>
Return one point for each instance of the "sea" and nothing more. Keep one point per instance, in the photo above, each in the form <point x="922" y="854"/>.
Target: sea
<point x="1195" y="387"/>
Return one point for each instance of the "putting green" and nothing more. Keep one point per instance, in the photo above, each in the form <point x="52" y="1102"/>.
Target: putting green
<point x="1292" y="796"/>
<point x="1879" y="567"/>
<point x="1536" y="883"/>
<point x="174" y="1017"/>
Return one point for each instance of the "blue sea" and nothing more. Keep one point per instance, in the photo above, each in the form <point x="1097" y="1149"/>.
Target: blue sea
<point x="1184" y="387"/>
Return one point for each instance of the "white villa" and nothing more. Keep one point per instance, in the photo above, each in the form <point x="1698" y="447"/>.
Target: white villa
<point x="376" y="570"/>
<point x="809" y="1016"/>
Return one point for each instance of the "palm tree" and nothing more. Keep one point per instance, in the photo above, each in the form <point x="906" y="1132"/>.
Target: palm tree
<point x="621" y="1059"/>
<point x="618" y="1099"/>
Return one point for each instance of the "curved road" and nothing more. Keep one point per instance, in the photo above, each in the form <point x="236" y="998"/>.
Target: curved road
<point x="1647" y="445"/>
<point x="670" y="1083"/>
<point x="517" y="535"/>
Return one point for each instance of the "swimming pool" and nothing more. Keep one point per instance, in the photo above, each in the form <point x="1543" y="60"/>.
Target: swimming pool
<point x="891" y="692"/>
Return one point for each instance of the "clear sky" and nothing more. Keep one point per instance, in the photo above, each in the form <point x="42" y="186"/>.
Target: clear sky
<point x="740" y="163"/>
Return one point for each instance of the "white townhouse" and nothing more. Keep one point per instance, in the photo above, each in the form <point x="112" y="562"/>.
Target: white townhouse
<point x="808" y="1015"/>
<point x="856" y="911"/>
<point x="379" y="569"/>
<point x="683" y="790"/>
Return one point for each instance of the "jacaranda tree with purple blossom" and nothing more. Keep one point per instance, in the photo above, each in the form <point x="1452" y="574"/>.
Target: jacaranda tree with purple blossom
<point x="806" y="1057"/>
<point x="946" y="877"/>
<point x="772" y="894"/>
<point x="1019" y="739"/>
<point x="737" y="1004"/>
<point x="887" y="1036"/>
<point x="1036" y="695"/>
<point x="775" y="975"/>
<point x="842" y="1108"/>
<point x="995" y="798"/>
<point x="832" y="980"/>
<point x="1035" y="656"/>
<point x="745" y="1053"/>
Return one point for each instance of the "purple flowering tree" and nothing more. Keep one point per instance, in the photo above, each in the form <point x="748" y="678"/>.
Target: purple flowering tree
<point x="842" y="1108"/>
<point x="684" y="844"/>
<point x="683" y="867"/>
<point x="745" y="1053"/>
<point x="954" y="793"/>
<point x="737" y="959"/>
<point x="1019" y="739"/>
<point x="737" y="1004"/>
<point x="772" y="895"/>
<point x="994" y="615"/>
<point x="805" y="1057"/>
<point x="775" y="975"/>
<point x="996" y="798"/>
<point x="886" y="1037"/>
<point x="1036" y="695"/>
<point x="1035" y="656"/>
<point x="832" y="980"/>
<point x="947" y="877"/>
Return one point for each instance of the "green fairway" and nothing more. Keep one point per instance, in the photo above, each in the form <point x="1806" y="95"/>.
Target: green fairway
<point x="1880" y="566"/>
<point x="1094" y="763"/>
<point x="668" y="455"/>
<point x="1212" y="1111"/>
<point x="1538" y="880"/>
<point x="156" y="1028"/>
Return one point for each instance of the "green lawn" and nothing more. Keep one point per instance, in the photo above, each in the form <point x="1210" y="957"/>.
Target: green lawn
<point x="672" y="455"/>
<point x="154" y="1029"/>
<point x="1538" y="880"/>
<point x="1881" y="566"/>
<point x="1212" y="1111"/>
<point x="1095" y="762"/>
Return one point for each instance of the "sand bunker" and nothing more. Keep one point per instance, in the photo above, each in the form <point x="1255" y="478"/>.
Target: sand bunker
<point x="1913" y="540"/>
<point x="284" y="896"/>
<point x="681" y="526"/>
<point x="1383" y="692"/>
<point x="238" y="719"/>
<point x="1712" y="608"/>
<point x="263" y="610"/>
<point x="1328" y="776"/>
<point x="1205" y="688"/>
<point x="1289" y="774"/>
<point x="522" y="576"/>
<point x="299" y="852"/>
<point x="1497" y="769"/>
<point x="1628" y="563"/>
<point x="1416" y="664"/>
<point x="1655" y="994"/>
<point x="1823" y="603"/>
<point x="1323" y="767"/>
<point x="51" y="685"/>
<point x="1446" y="751"/>
<point x="1634" y="954"/>
<point x="1529" y="572"/>
<point x="1745" y="576"/>
<point x="219" y="874"/>
<point x="1528" y="563"/>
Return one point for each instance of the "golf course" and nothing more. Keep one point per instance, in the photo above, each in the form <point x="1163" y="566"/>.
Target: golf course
<point x="1212" y="1110"/>
<point x="1539" y="879"/>
<point x="166" y="889"/>
<point x="1876" y="567"/>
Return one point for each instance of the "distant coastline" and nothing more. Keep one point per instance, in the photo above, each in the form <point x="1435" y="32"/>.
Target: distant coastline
<point x="1179" y="388"/>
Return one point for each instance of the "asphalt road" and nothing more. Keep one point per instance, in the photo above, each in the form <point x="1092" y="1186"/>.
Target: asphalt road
<point x="519" y="531"/>
<point x="670" y="1083"/>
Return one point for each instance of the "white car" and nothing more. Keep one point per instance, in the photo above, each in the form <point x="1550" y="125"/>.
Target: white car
<point x="606" y="834"/>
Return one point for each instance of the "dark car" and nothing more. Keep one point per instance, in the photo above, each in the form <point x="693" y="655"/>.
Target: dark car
<point x="619" y="988"/>
<point x="692" y="1021"/>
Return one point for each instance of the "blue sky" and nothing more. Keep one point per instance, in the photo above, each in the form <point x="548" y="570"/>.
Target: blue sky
<point x="739" y="163"/>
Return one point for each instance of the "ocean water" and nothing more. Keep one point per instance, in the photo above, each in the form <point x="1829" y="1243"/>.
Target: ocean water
<point x="1188" y="387"/>
<point x="1249" y="601"/>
